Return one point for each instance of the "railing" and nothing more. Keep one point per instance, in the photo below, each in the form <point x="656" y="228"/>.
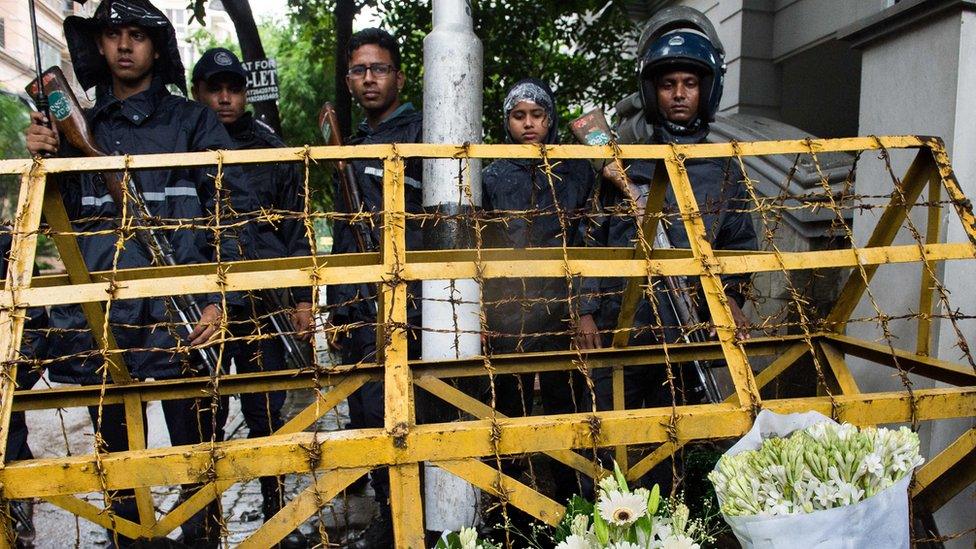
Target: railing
<point x="797" y="335"/>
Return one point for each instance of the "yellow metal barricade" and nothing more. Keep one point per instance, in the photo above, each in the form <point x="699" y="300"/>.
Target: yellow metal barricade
<point x="336" y="459"/>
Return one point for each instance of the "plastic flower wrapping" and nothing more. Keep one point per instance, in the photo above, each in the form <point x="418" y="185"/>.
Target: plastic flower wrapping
<point x="622" y="518"/>
<point x="823" y="466"/>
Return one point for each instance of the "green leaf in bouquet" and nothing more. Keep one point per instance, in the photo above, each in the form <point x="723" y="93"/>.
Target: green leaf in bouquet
<point x="621" y="479"/>
<point x="600" y="528"/>
<point x="654" y="500"/>
<point x="450" y="541"/>
<point x="577" y="506"/>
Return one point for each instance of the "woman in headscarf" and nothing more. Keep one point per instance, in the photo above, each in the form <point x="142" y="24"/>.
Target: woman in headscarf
<point x="531" y="203"/>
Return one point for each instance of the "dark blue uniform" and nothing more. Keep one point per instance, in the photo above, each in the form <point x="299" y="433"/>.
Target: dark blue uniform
<point x="533" y="314"/>
<point x="355" y="303"/>
<point x="277" y="188"/>
<point x="724" y="204"/>
<point x="152" y="121"/>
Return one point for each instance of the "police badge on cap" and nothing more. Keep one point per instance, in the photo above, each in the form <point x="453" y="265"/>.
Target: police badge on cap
<point x="218" y="61"/>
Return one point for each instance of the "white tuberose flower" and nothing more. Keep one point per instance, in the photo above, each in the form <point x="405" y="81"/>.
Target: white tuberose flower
<point x="622" y="509"/>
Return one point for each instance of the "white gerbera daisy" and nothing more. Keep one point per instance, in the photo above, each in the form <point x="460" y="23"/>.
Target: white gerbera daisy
<point x="622" y="509"/>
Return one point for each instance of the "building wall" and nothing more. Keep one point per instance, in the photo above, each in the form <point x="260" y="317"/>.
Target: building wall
<point x="929" y="64"/>
<point x="16" y="45"/>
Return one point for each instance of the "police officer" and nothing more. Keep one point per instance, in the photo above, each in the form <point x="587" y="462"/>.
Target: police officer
<point x="220" y="82"/>
<point x="681" y="74"/>
<point x="533" y="314"/>
<point x="33" y="347"/>
<point x="129" y="53"/>
<point x="375" y="79"/>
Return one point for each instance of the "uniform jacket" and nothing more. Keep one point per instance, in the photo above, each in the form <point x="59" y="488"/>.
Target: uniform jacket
<point x="405" y="125"/>
<point x="272" y="187"/>
<point x="522" y="307"/>
<point x="153" y="121"/>
<point x="724" y="206"/>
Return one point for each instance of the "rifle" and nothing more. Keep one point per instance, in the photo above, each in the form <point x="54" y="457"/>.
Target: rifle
<point x="349" y="185"/>
<point x="592" y="129"/>
<point x="329" y="125"/>
<point x="294" y="350"/>
<point x="71" y="123"/>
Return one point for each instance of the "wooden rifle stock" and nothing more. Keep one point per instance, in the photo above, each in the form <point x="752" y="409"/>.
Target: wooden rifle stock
<point x="329" y="125"/>
<point x="71" y="122"/>
<point x="73" y="125"/>
<point x="592" y="129"/>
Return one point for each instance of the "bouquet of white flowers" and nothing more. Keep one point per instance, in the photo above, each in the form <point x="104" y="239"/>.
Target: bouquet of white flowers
<point x="816" y="468"/>
<point x="630" y="519"/>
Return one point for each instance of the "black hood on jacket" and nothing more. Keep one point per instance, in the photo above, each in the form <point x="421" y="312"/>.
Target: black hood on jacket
<point x="538" y="92"/>
<point x="90" y="66"/>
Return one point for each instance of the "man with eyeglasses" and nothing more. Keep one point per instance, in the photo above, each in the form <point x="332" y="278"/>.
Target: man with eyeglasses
<point x="375" y="80"/>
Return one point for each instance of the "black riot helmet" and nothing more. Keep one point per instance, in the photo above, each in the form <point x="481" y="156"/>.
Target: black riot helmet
<point x="681" y="38"/>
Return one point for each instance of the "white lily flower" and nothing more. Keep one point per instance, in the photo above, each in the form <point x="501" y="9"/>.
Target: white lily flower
<point x="580" y="525"/>
<point x="469" y="538"/>
<point x="679" y="542"/>
<point x="620" y="509"/>
<point x="576" y="542"/>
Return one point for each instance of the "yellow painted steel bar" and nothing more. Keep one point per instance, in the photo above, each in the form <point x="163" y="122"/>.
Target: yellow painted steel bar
<point x="926" y="291"/>
<point x="293" y="277"/>
<point x="932" y="368"/>
<point x="99" y="516"/>
<point x="259" y="382"/>
<point x="944" y="476"/>
<point x="282" y="454"/>
<point x="636" y="288"/>
<point x="514" y="492"/>
<point x="962" y="205"/>
<point x="414" y="257"/>
<point x="712" y="287"/>
<point x="67" y="246"/>
<point x="427" y="150"/>
<point x="70" y="254"/>
<point x="20" y="269"/>
<point x="391" y="346"/>
<point x="642" y="251"/>
<point x="466" y="403"/>
<point x="302" y="506"/>
<point x="838" y="368"/>
<point x="919" y="173"/>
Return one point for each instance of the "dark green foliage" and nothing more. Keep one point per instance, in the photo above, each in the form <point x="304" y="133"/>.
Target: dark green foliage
<point x="577" y="506"/>
<point x="584" y="48"/>
<point x="305" y="67"/>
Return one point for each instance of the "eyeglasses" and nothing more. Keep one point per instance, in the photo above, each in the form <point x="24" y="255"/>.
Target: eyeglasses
<point x="379" y="70"/>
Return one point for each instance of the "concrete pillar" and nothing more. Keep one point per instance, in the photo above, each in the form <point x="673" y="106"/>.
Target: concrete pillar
<point x="918" y="77"/>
